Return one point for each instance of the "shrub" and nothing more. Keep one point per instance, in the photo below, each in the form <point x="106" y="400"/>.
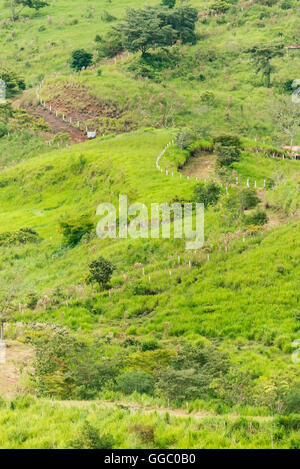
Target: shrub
<point x="289" y="422"/>
<point x="109" y="46"/>
<point x="208" y="98"/>
<point x="89" y="438"/>
<point x="67" y="368"/>
<point x="107" y="17"/>
<point x="292" y="401"/>
<point x="81" y="59"/>
<point x="138" y="381"/>
<point x="169" y="3"/>
<point x="73" y="229"/>
<point x="259" y="218"/>
<point x="144" y="432"/>
<point x="270" y="183"/>
<point x="248" y="199"/>
<point x="227" y="140"/>
<point x="185" y="138"/>
<point x="14" y="82"/>
<point x="226" y="155"/>
<point x="221" y="6"/>
<point x="101" y="271"/>
<point x="32" y="300"/>
<point x="3" y="129"/>
<point x="191" y="373"/>
<point x="150" y="344"/>
<point x="208" y="194"/>
<point x="23" y="236"/>
<point x="286" y="5"/>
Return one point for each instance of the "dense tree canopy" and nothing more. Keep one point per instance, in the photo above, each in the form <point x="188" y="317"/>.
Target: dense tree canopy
<point x="157" y="27"/>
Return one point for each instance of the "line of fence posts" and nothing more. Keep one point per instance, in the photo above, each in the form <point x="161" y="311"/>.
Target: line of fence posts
<point x="171" y="173"/>
<point x="70" y="121"/>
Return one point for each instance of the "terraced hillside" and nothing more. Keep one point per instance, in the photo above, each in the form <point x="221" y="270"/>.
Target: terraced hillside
<point x="173" y="348"/>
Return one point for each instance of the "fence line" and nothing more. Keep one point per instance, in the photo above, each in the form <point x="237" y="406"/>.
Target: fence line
<point x="70" y="120"/>
<point x="171" y="173"/>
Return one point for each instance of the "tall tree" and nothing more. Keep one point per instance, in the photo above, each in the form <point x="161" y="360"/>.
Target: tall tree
<point x="157" y="27"/>
<point x="144" y="29"/>
<point x="17" y="6"/>
<point x="262" y="55"/>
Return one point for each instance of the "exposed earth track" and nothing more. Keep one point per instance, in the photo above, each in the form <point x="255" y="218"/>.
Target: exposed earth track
<point x="57" y="125"/>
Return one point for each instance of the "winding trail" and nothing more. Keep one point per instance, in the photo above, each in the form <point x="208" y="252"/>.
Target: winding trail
<point x="57" y="125"/>
<point x="135" y="408"/>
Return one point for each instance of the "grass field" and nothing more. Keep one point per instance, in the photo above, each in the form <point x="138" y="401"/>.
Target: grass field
<point x="235" y="299"/>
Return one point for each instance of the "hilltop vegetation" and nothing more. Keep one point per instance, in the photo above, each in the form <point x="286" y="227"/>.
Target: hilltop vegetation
<point x="206" y="335"/>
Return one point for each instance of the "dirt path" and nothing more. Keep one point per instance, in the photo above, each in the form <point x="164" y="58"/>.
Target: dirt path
<point x="17" y="356"/>
<point x="135" y="408"/>
<point x="201" y="166"/>
<point x="57" y="125"/>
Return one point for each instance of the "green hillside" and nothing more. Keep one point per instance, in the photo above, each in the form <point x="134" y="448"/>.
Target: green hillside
<point x="176" y="348"/>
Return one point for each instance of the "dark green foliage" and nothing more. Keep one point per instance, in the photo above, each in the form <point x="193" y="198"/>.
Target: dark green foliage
<point x="286" y="5"/>
<point x="169" y="3"/>
<point x="138" y="381"/>
<point x="144" y="432"/>
<point x="67" y="368"/>
<point x="227" y="149"/>
<point x="227" y="155"/>
<point x="153" y="27"/>
<point x="220" y="6"/>
<point x="17" y="6"/>
<point x="151" y="344"/>
<point x="292" y="400"/>
<point x="13" y="81"/>
<point x="248" y="199"/>
<point x="290" y="422"/>
<point x="238" y="201"/>
<point x="191" y="372"/>
<point x="3" y="129"/>
<point x="235" y="387"/>
<point x="270" y="183"/>
<point x="207" y="193"/>
<point x="73" y="229"/>
<point x="81" y="59"/>
<point x="23" y="236"/>
<point x="107" y="17"/>
<point x="89" y="438"/>
<point x="262" y="56"/>
<point x="259" y="218"/>
<point x="185" y="138"/>
<point x="227" y="140"/>
<point x="183" y="20"/>
<point x="6" y="112"/>
<point x="31" y="300"/>
<point x="101" y="271"/>
<point x="144" y="29"/>
<point x="109" y="46"/>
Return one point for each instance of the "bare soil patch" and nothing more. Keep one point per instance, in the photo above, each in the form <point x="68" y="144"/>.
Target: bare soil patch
<point x="18" y="355"/>
<point x="202" y="165"/>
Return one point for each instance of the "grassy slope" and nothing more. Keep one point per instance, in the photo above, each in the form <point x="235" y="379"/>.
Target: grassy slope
<point x="230" y="75"/>
<point x="23" y="426"/>
<point x="239" y="296"/>
<point x="246" y="301"/>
